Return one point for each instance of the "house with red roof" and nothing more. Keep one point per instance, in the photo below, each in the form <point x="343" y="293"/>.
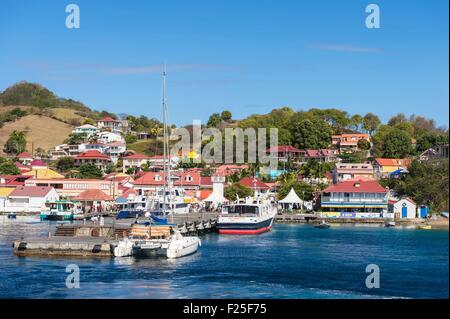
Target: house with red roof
<point x="355" y="198"/>
<point x="93" y="157"/>
<point x="25" y="158"/>
<point x="230" y="169"/>
<point x="108" y="123"/>
<point x="403" y="208"/>
<point x="152" y="181"/>
<point x="322" y="155"/>
<point x="385" y="166"/>
<point x="286" y="153"/>
<point x="348" y="142"/>
<point x="38" y="164"/>
<point x="13" y="180"/>
<point x="255" y="184"/>
<point x="29" y="199"/>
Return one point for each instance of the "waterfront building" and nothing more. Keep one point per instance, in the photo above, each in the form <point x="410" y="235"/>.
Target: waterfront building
<point x="355" y="198"/>
<point x="4" y="193"/>
<point x="345" y="171"/>
<point x="29" y="198"/>
<point x="385" y="166"/>
<point x="87" y="129"/>
<point x="403" y="208"/>
<point x="348" y="142"/>
<point x="70" y="187"/>
<point x="94" y="198"/>
<point x="152" y="181"/>
<point x="93" y="157"/>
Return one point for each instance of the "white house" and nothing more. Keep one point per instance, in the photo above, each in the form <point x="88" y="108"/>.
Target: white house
<point x="109" y="137"/>
<point x="30" y="198"/>
<point x="404" y="208"/>
<point x="87" y="129"/>
<point x="134" y="161"/>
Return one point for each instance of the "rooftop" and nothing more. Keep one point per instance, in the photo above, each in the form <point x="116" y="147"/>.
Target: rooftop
<point x="356" y="186"/>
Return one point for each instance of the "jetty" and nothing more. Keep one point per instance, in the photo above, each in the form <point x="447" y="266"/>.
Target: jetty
<point x="92" y="239"/>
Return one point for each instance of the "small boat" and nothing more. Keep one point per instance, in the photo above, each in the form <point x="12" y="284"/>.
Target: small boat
<point x="389" y="224"/>
<point x="424" y="227"/>
<point x="59" y="210"/>
<point x="12" y="216"/>
<point x="156" y="241"/>
<point x="322" y="225"/>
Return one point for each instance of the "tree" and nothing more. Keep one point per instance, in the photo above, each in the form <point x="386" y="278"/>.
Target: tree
<point x="76" y="138"/>
<point x="214" y="120"/>
<point x="8" y="168"/>
<point x="89" y="171"/>
<point x="356" y="121"/>
<point x="363" y="144"/>
<point x="397" y="119"/>
<point x="371" y="122"/>
<point x="315" y="169"/>
<point x="427" y="184"/>
<point x="110" y="168"/>
<point x="130" y="138"/>
<point x="226" y="116"/>
<point x="397" y="144"/>
<point x="310" y="132"/>
<point x="237" y="189"/>
<point x="303" y="190"/>
<point x="65" y="164"/>
<point x="16" y="143"/>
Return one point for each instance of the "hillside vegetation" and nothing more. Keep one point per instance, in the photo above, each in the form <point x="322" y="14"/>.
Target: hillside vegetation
<point x="41" y="131"/>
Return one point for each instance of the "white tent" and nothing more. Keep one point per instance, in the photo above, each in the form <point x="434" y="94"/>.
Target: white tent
<point x="216" y="197"/>
<point x="292" y="201"/>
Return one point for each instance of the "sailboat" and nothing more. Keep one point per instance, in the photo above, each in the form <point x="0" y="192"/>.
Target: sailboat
<point x="160" y="239"/>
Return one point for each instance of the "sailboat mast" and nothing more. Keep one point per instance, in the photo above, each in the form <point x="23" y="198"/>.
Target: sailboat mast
<point x="166" y="143"/>
<point x="164" y="137"/>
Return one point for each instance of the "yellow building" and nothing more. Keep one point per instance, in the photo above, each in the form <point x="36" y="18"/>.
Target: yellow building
<point x="45" y="173"/>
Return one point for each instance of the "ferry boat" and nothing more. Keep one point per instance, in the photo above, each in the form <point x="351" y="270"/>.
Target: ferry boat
<point x="248" y="218"/>
<point x="60" y="210"/>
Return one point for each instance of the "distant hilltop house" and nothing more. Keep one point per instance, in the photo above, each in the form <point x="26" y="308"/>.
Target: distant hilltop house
<point x="108" y="123"/>
<point x="288" y="153"/>
<point x="135" y="161"/>
<point x="437" y="152"/>
<point x="348" y="142"/>
<point x="356" y="198"/>
<point x="87" y="129"/>
<point x="383" y="167"/>
<point x="109" y="137"/>
<point x="345" y="171"/>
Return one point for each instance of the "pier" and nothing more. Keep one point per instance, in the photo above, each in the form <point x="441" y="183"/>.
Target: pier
<point x="90" y="239"/>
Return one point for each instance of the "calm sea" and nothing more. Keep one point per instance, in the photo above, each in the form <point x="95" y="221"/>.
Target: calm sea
<point x="291" y="261"/>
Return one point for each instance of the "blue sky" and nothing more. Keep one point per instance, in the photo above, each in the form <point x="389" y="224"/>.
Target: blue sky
<point x="245" y="56"/>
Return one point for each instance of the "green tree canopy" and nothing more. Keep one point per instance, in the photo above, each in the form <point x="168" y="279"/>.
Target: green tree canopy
<point x="230" y="192"/>
<point x="16" y="143"/>
<point x="309" y="132"/>
<point x="89" y="171"/>
<point x="7" y="167"/>
<point x="226" y="116"/>
<point x="371" y="122"/>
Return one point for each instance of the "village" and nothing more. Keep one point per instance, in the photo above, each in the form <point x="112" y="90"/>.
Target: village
<point x="347" y="191"/>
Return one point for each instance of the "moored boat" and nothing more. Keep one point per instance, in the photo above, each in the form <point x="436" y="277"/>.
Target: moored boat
<point x="60" y="210"/>
<point x="323" y="225"/>
<point x="248" y="218"/>
<point x="424" y="227"/>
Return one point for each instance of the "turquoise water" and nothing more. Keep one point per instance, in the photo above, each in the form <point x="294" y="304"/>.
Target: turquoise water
<point x="291" y="261"/>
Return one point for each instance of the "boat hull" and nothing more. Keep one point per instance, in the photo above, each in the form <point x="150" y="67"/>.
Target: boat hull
<point x="55" y="217"/>
<point x="184" y="247"/>
<point x="244" y="228"/>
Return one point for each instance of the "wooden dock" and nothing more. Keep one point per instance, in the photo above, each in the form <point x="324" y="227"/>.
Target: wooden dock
<point x="89" y="239"/>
